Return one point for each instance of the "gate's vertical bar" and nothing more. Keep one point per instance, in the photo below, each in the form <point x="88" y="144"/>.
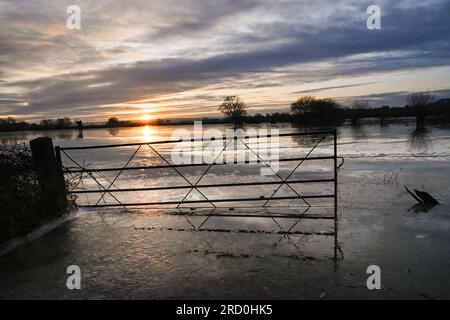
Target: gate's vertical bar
<point x="335" y="197"/>
<point x="58" y="157"/>
<point x="59" y="163"/>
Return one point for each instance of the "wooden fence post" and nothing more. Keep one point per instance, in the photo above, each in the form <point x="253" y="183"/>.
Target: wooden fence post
<point x="50" y="175"/>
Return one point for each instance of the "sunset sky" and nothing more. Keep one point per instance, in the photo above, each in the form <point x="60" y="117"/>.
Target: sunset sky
<point x="144" y="59"/>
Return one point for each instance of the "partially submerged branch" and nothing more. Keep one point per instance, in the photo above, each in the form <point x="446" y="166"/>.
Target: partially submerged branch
<point x="422" y="197"/>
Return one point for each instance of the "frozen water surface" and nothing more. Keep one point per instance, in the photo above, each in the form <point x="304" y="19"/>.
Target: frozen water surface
<point x="150" y="253"/>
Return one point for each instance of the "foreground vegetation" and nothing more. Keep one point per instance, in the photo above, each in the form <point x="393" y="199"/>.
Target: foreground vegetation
<point x="22" y="205"/>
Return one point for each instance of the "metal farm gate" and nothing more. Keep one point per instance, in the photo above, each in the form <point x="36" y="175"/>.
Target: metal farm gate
<point x="108" y="186"/>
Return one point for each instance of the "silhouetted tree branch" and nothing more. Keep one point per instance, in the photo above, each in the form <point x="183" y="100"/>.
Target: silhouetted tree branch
<point x="234" y="108"/>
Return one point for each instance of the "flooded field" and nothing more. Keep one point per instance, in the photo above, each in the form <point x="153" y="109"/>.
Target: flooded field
<point x="153" y="252"/>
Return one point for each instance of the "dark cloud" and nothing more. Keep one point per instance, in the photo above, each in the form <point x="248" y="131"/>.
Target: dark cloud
<point x="332" y="87"/>
<point x="395" y="99"/>
<point x="201" y="16"/>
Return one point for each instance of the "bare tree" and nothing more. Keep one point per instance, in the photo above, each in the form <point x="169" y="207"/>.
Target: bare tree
<point x="360" y="104"/>
<point x="359" y="107"/>
<point x="113" y="122"/>
<point x="303" y="105"/>
<point x="419" y="101"/>
<point x="309" y="109"/>
<point x="234" y="108"/>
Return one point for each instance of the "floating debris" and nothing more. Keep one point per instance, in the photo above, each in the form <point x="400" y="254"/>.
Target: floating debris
<point x="422" y="197"/>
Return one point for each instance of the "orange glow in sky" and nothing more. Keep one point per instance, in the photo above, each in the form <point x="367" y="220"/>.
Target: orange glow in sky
<point x="168" y="59"/>
<point x="146" y="117"/>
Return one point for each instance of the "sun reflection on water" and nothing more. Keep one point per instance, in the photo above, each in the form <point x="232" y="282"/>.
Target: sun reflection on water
<point x="147" y="133"/>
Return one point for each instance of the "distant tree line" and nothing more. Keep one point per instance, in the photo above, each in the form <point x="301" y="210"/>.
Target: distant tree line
<point x="306" y="110"/>
<point x="310" y="110"/>
<point x="114" y="122"/>
<point x="11" y="124"/>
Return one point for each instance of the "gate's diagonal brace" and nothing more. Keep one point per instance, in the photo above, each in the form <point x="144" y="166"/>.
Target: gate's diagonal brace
<point x="290" y="174"/>
<point x="119" y="173"/>
<point x="179" y="173"/>
<point x="270" y="167"/>
<point x="294" y="224"/>
<point x="89" y="172"/>
<point x="298" y="220"/>
<point x="200" y="225"/>
<point x="204" y="173"/>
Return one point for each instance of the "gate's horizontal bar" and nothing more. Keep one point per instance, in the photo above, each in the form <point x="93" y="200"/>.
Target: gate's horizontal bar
<point x="199" y="139"/>
<point x="190" y="165"/>
<point x="280" y="232"/>
<point x="220" y="185"/>
<point x="203" y="201"/>
<point x="248" y="215"/>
